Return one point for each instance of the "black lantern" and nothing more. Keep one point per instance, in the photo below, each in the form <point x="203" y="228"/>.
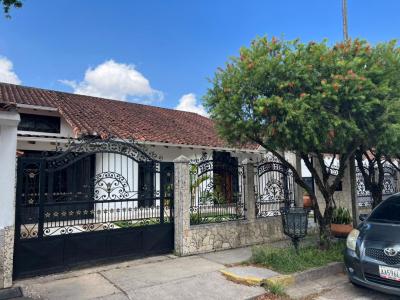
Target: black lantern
<point x="295" y="223"/>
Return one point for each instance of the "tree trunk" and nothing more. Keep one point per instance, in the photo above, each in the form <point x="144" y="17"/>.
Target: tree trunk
<point x="325" y="235"/>
<point x="376" y="194"/>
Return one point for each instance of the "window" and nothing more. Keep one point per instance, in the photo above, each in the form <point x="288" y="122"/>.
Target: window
<point x="39" y="123"/>
<point x="387" y="212"/>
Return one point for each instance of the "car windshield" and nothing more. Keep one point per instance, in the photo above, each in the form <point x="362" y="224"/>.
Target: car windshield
<point x="387" y="212"/>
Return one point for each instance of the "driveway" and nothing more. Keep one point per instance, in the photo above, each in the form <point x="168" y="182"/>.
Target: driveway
<point x="164" y="277"/>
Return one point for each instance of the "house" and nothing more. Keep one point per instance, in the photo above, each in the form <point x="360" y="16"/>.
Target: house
<point x="96" y="179"/>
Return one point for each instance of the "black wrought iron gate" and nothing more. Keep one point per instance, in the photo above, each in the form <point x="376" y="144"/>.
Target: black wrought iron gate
<point x="94" y="201"/>
<point x="275" y="187"/>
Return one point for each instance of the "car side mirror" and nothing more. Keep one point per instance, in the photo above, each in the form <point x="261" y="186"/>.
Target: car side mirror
<point x="363" y="217"/>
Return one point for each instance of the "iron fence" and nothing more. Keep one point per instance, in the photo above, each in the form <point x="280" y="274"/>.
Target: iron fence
<point x="217" y="192"/>
<point x="364" y="197"/>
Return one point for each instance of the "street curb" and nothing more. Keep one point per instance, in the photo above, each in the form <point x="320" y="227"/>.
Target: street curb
<point x="287" y="280"/>
<point x="247" y="280"/>
<point x="284" y="280"/>
<point x="316" y="273"/>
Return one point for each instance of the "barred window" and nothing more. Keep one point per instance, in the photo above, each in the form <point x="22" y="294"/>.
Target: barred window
<point x="39" y="123"/>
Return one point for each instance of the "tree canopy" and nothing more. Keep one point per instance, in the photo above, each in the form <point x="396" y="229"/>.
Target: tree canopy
<point x="312" y="99"/>
<point x="8" y="4"/>
<point x="308" y="97"/>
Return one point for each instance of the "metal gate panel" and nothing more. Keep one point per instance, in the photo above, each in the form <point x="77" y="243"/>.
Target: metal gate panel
<point x="275" y="187"/>
<point x="364" y="197"/>
<point x="87" y="204"/>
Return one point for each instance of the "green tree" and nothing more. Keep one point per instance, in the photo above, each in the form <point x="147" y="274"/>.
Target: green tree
<point x="382" y="146"/>
<point x="8" y="4"/>
<point x="312" y="99"/>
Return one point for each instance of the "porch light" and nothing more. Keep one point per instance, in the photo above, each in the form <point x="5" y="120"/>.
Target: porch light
<point x="295" y="223"/>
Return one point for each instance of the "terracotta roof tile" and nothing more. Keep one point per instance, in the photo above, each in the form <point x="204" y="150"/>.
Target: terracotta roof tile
<point x="92" y="115"/>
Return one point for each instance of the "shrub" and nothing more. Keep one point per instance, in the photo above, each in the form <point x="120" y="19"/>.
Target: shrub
<point x="341" y="215"/>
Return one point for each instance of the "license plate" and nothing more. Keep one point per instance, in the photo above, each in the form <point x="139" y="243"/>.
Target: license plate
<point x="389" y="273"/>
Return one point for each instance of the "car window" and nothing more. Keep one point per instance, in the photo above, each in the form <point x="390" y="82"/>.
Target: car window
<point x="387" y="212"/>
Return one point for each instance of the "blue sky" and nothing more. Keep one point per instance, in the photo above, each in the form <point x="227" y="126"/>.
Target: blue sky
<point x="159" y="51"/>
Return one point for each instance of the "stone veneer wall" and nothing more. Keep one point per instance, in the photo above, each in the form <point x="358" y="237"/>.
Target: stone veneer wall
<point x="233" y="234"/>
<point x="192" y="239"/>
<point x="6" y="256"/>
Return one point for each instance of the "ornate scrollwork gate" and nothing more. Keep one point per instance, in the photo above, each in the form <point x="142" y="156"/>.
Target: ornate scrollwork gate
<point x="97" y="199"/>
<point x="364" y="197"/>
<point x="274" y="187"/>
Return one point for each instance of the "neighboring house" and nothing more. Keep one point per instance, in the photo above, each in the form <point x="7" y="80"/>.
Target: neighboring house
<point x="100" y="178"/>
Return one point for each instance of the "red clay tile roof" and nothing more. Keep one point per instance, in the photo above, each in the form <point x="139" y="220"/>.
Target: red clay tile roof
<point x="91" y="115"/>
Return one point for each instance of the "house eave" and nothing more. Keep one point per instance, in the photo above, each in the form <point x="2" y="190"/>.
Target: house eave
<point x="60" y="139"/>
<point x="37" y="107"/>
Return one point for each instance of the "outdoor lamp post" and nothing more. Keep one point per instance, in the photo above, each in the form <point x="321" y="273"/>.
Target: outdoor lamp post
<point x="295" y="223"/>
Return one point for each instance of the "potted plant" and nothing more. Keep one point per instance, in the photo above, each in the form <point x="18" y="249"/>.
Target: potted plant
<point x="307" y="201"/>
<point x="341" y="222"/>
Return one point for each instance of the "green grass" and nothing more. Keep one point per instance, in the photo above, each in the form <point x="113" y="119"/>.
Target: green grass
<point x="286" y="261"/>
<point x="276" y="289"/>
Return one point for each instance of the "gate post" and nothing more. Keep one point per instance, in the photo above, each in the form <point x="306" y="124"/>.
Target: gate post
<point x="8" y="146"/>
<point x="249" y="193"/>
<point x="353" y="191"/>
<point x="298" y="189"/>
<point x="181" y="203"/>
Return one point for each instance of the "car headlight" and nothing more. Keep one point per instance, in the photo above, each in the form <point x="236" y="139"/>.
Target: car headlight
<point x="352" y="239"/>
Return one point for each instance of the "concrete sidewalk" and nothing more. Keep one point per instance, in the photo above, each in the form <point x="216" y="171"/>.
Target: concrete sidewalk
<point x="168" y="277"/>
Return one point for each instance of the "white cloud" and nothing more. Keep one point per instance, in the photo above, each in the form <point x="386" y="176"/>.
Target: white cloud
<point x="188" y="102"/>
<point x="115" y="81"/>
<point x="7" y="73"/>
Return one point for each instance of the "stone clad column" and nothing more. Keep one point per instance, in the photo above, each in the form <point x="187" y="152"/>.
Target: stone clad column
<point x="181" y="203"/>
<point x="8" y="145"/>
<point x="353" y="190"/>
<point x="249" y="190"/>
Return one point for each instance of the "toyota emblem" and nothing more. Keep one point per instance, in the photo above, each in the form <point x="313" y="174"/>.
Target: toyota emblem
<point x="390" y="251"/>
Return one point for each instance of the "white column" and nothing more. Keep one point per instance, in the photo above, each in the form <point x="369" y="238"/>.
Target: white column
<point x="8" y="145"/>
<point x="181" y="203"/>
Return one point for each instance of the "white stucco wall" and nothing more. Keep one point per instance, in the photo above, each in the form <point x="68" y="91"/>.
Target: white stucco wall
<point x="8" y="143"/>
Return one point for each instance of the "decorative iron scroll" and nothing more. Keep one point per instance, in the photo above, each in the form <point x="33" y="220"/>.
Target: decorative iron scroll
<point x="77" y="148"/>
<point x="94" y="185"/>
<point x="364" y="197"/>
<point x="274" y="188"/>
<point x="110" y="186"/>
<point x="332" y="167"/>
